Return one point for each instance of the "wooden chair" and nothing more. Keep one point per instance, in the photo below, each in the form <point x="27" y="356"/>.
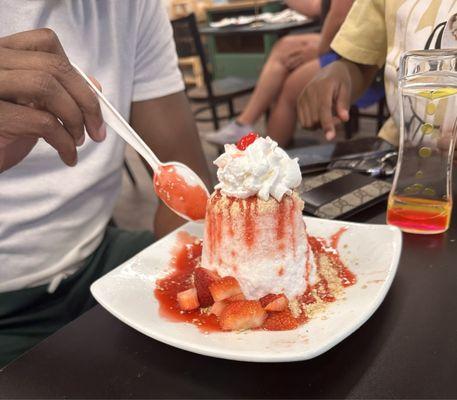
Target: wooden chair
<point x="181" y="8"/>
<point x="193" y="77"/>
<point x="213" y="92"/>
<point x="352" y="126"/>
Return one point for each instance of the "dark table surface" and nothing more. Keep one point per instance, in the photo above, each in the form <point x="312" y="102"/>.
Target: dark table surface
<point x="408" y="348"/>
<point x="280" y="28"/>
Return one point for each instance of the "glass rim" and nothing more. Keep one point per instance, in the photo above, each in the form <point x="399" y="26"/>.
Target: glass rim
<point x="412" y="59"/>
<point x="429" y="53"/>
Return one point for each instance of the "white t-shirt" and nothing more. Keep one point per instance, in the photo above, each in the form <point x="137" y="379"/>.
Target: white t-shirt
<point x="52" y="217"/>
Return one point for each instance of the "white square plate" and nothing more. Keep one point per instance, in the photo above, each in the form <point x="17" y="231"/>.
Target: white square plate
<point x="371" y="251"/>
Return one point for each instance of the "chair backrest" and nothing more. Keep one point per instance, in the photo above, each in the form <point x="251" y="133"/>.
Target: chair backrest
<point x="188" y="43"/>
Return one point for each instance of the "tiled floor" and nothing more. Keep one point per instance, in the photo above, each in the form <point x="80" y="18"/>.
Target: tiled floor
<point x="136" y="205"/>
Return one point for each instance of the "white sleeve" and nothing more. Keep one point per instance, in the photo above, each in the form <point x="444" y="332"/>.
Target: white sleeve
<point x="156" y="63"/>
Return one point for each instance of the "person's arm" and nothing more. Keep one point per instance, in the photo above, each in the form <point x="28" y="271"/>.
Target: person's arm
<point x="362" y="43"/>
<point x="167" y="126"/>
<point x="327" y="98"/>
<point x="310" y="8"/>
<point x="333" y="21"/>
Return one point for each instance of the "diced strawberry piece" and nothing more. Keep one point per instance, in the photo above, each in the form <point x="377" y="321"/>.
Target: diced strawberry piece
<point x="274" y="302"/>
<point x="237" y="297"/>
<point x="240" y="315"/>
<point x="246" y="140"/>
<point x="217" y="308"/>
<point x="224" y="288"/>
<point x="280" y="321"/>
<point x="188" y="299"/>
<point x="203" y="278"/>
<point x="277" y="305"/>
<point x="265" y="300"/>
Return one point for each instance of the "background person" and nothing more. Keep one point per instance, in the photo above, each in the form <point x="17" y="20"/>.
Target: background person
<point x="287" y="54"/>
<point x="375" y="34"/>
<point x="294" y="60"/>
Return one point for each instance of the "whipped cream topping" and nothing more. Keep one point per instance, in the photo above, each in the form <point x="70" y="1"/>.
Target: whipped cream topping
<point x="263" y="169"/>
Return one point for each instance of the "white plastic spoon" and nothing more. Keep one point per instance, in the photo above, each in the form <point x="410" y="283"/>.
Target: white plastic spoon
<point x="180" y="188"/>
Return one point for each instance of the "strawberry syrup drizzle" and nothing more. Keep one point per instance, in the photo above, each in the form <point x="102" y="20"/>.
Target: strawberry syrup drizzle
<point x="211" y="222"/>
<point x="249" y="207"/>
<point x="320" y="246"/>
<point x="335" y="239"/>
<point x="210" y="236"/>
<point x="177" y="194"/>
<point x="281" y="221"/>
<point x="323" y="291"/>
<point x="231" y="200"/>
<point x="292" y="226"/>
<point x="186" y="257"/>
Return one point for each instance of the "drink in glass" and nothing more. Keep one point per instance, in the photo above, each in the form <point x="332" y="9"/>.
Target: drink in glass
<point x="421" y="197"/>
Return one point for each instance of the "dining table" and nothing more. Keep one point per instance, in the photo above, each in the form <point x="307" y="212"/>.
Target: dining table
<point x="279" y="28"/>
<point x="407" y="349"/>
<point x="241" y="50"/>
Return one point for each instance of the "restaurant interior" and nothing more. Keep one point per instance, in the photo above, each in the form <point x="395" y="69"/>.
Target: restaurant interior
<point x="230" y="54"/>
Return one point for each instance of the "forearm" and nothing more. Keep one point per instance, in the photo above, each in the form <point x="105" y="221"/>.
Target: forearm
<point x="361" y="76"/>
<point x="310" y="8"/>
<point x="333" y="21"/>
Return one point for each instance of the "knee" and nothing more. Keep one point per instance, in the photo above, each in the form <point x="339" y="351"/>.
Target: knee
<point x="282" y="43"/>
<point x="281" y="46"/>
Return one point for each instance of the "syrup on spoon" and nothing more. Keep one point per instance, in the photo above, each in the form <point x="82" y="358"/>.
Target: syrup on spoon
<point x="180" y="188"/>
<point x="180" y="191"/>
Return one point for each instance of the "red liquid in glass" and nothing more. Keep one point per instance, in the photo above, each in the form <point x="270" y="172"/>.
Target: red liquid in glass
<point x="418" y="215"/>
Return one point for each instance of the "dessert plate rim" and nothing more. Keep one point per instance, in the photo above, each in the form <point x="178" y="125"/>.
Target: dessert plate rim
<point x="101" y="286"/>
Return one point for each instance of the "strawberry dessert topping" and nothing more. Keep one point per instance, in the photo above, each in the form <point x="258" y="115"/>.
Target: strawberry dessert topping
<point x="241" y="315"/>
<point x="200" y="296"/>
<point x="224" y="288"/>
<point x="246" y="140"/>
<point x="203" y="278"/>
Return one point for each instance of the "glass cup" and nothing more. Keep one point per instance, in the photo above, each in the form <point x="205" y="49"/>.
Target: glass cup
<point x="421" y="197"/>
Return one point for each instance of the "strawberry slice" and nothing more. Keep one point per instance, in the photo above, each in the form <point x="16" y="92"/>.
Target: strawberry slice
<point x="280" y="321"/>
<point x="188" y="299"/>
<point x="274" y="302"/>
<point x="217" y="308"/>
<point x="246" y="140"/>
<point x="224" y="288"/>
<point x="240" y="315"/>
<point x="203" y="278"/>
<point x="237" y="297"/>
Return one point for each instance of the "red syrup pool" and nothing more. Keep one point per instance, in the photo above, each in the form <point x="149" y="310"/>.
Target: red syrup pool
<point x="186" y="256"/>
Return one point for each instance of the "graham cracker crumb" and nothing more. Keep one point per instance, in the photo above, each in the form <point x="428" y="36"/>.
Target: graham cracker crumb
<point x="295" y="309"/>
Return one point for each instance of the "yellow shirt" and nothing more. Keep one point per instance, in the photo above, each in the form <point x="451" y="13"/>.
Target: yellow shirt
<point x="377" y="32"/>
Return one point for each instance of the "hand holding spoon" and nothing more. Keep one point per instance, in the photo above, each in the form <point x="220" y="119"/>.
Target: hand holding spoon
<point x="180" y="188"/>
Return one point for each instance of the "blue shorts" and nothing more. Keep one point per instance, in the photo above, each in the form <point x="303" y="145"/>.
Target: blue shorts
<point x="372" y="95"/>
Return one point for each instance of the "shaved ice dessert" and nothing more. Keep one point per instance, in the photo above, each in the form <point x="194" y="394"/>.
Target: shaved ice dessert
<point x="256" y="267"/>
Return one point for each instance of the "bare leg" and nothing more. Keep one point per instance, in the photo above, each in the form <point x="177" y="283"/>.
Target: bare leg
<point x="283" y="118"/>
<point x="301" y="48"/>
